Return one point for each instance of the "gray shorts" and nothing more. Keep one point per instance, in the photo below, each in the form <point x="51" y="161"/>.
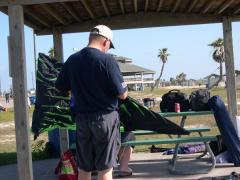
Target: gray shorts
<point x="98" y="140"/>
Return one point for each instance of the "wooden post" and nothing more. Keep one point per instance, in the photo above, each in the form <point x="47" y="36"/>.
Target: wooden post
<point x="230" y="71"/>
<point x="19" y="80"/>
<point x="58" y="53"/>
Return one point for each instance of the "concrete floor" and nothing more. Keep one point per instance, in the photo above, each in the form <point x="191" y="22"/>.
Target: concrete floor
<point x="145" y="166"/>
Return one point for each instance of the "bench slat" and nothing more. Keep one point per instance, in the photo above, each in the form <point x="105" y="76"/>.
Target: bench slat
<point x="170" y="141"/>
<point x="145" y="132"/>
<point x="187" y="113"/>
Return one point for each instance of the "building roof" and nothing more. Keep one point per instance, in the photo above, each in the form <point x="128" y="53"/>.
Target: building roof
<point x="82" y="15"/>
<point x="122" y="59"/>
<point x="129" y="69"/>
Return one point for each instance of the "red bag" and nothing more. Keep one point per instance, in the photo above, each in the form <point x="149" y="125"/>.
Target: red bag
<point x="67" y="167"/>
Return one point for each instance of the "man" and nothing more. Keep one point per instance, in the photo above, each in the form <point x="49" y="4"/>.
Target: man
<point x="7" y="96"/>
<point x="124" y="154"/>
<point x="95" y="81"/>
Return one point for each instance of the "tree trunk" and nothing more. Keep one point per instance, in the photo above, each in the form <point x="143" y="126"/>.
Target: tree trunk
<point x="220" y="78"/>
<point x="158" y="79"/>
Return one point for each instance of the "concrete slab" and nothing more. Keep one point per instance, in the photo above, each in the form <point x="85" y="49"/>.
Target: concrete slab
<point x="145" y="166"/>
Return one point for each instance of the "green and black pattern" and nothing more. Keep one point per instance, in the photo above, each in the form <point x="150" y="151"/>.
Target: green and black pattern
<point x="52" y="108"/>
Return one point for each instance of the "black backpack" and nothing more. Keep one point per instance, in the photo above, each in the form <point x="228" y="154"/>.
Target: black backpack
<point x="199" y="100"/>
<point x="174" y="96"/>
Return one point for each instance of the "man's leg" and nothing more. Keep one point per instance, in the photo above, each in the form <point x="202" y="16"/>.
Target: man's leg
<point x="124" y="158"/>
<point x="105" y="174"/>
<point x="83" y="175"/>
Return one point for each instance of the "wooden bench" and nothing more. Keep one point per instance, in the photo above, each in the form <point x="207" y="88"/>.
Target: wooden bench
<point x="180" y="140"/>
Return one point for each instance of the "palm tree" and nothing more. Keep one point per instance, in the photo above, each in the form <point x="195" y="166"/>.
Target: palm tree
<point x="172" y="81"/>
<point x="181" y="78"/>
<point x="51" y="53"/>
<point x="163" y="55"/>
<point x="218" y="56"/>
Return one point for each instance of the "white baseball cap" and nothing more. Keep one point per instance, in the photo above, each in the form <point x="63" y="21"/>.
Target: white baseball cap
<point x="104" y="31"/>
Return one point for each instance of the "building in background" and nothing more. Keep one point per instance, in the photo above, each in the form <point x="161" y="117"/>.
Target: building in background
<point x="134" y="76"/>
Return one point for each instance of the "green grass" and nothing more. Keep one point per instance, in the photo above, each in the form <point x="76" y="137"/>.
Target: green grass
<point x="9" y="115"/>
<point x="40" y="151"/>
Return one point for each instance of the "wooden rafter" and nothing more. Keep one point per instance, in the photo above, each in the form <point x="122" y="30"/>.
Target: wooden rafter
<point x="105" y="7"/>
<point x="36" y="17"/>
<point x="26" y="21"/>
<point x="32" y="25"/>
<point x="160" y="3"/>
<point x="208" y="6"/>
<point x="122" y="6"/>
<point x="71" y="11"/>
<point x="236" y="10"/>
<point x="191" y="6"/>
<point x="29" y="2"/>
<point x="88" y="9"/>
<point x="53" y="13"/>
<point x="224" y="6"/>
<point x="141" y="20"/>
<point x="176" y="6"/>
<point x="135" y="6"/>
<point x="146" y="5"/>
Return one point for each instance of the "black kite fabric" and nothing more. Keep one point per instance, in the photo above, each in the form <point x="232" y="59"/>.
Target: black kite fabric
<point x="52" y="108"/>
<point x="135" y="116"/>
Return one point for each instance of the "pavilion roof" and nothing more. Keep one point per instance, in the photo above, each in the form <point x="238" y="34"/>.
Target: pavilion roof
<point x="81" y="15"/>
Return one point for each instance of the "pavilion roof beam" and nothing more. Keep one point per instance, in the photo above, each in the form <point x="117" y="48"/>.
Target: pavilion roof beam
<point x="160" y="3"/>
<point x="176" y="5"/>
<point x="26" y="21"/>
<point x="224" y="6"/>
<point x="141" y="20"/>
<point x="105" y="7"/>
<point x="71" y="11"/>
<point x="32" y="25"/>
<point x="208" y="6"/>
<point x="53" y="13"/>
<point x="146" y="5"/>
<point x="236" y="10"/>
<point x="135" y="6"/>
<point x="39" y="19"/>
<point x="191" y="6"/>
<point x="29" y="2"/>
<point x="122" y="6"/>
<point x="88" y="9"/>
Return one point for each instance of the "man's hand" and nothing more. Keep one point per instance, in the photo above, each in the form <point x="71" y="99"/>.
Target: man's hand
<point x="123" y="96"/>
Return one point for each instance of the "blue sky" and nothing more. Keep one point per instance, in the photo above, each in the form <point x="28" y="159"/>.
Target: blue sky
<point x="187" y="45"/>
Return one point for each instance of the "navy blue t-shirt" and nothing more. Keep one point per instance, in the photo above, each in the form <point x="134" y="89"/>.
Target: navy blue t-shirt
<point x="94" y="79"/>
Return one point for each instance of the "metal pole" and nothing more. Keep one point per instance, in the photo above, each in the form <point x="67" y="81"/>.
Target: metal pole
<point x="35" y="58"/>
<point x="33" y="81"/>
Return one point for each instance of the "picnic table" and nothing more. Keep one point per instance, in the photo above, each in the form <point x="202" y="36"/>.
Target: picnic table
<point x="179" y="140"/>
